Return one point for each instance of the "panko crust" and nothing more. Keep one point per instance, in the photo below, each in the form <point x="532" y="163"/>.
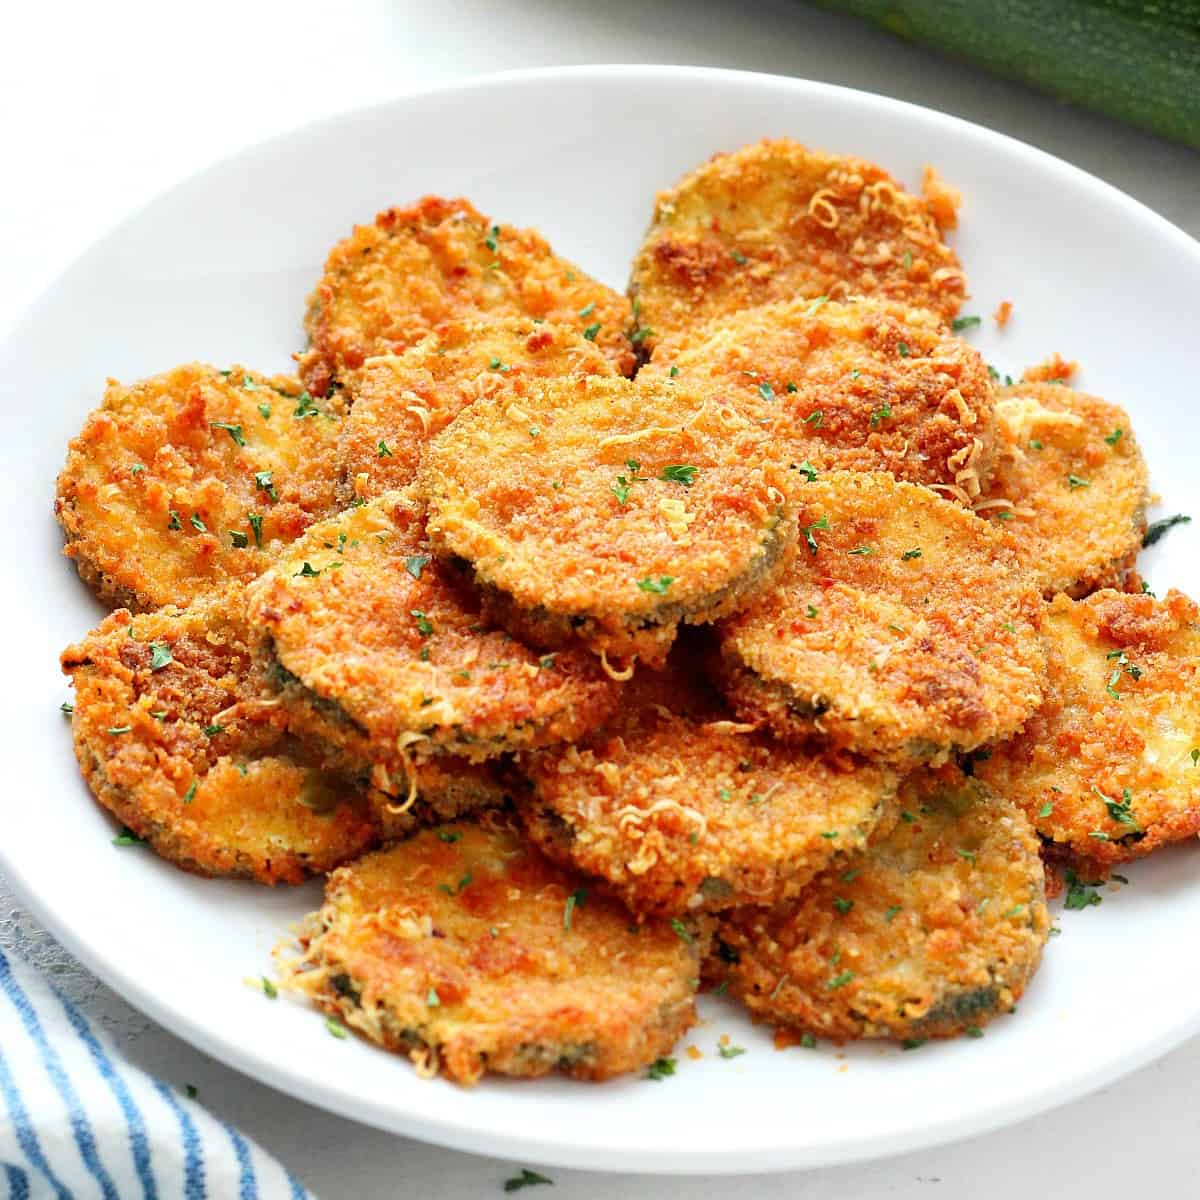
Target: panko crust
<point x="608" y="509"/>
<point x="471" y="952"/>
<point x="399" y="401"/>
<point x="1109" y="765"/>
<point x="185" y="482"/>
<point x="936" y="929"/>
<point x="865" y="385"/>
<point x="175" y="737"/>
<point x="903" y="629"/>
<point x="682" y="809"/>
<point x="390" y="283"/>
<point x="1069" y="487"/>
<point x="378" y="649"/>
<point x="775" y="220"/>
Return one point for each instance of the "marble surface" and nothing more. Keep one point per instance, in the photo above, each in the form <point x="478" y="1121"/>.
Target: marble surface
<point x="101" y="106"/>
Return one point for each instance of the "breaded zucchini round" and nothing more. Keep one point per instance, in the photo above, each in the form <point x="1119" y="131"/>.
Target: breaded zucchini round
<point x="867" y="385"/>
<point x="468" y="950"/>
<point x="775" y="220"/>
<point x="378" y="649"/>
<point x="399" y="401"/>
<point x="682" y="809"/>
<point x="1069" y="487"/>
<point x="447" y="787"/>
<point x="608" y="509"/>
<point x="174" y="738"/>
<point x="902" y="629"/>
<point x="1110" y="766"/>
<point x="185" y="481"/>
<point x="935" y="930"/>
<point x="389" y="284"/>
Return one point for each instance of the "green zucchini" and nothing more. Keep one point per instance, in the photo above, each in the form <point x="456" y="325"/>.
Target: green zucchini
<point x="1137" y="62"/>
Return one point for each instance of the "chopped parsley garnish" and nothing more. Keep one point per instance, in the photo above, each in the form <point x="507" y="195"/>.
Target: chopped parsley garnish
<point x="1074" y="482"/>
<point x="1113" y="438"/>
<point x="907" y="259"/>
<point x="811" y="612"/>
<point x="118" y="730"/>
<point x="491" y="241"/>
<point x="190" y="794"/>
<point x="808" y="1041"/>
<point x="1121" y="810"/>
<point x="305" y="406"/>
<point x="892" y="910"/>
<point x="424" y="624"/>
<point x="213" y="730"/>
<point x="415" y="564"/>
<point x="335" y="1027"/>
<point x="673" y="372"/>
<point x="961" y="323"/>
<point x="680" y="474"/>
<point x="966" y="855"/>
<point x="67" y="709"/>
<point x="587" y="310"/>
<point x="738" y="257"/>
<point x="766" y="391"/>
<point x="913" y="1043"/>
<point x="432" y="999"/>
<point x="660" y="1068"/>
<point x="238" y="540"/>
<point x="444" y="835"/>
<point x="861" y="550"/>
<point x="842" y="905"/>
<point x="915" y="552"/>
<point x="198" y="524"/>
<point x="128" y="838"/>
<point x="881" y="414"/>
<point x="264" y="482"/>
<point x="546" y="662"/>
<point x="1035" y="443"/>
<point x="496" y="364"/>
<point x="265" y="411"/>
<point x="456" y="890"/>
<point x="816" y="418"/>
<point x="1046" y="809"/>
<point x="269" y="989"/>
<point x="308" y="571"/>
<point x="137" y="469"/>
<point x="384" y="452"/>
<point x="807" y="470"/>
<point x="819" y="302"/>
<point x="808" y="530"/>
<point x="657" y="586"/>
<point x="639" y="335"/>
<point x="234" y="431"/>
<point x="973" y="1031"/>
<point x="173" y="520"/>
<point x="527" y="1178"/>
<point x="574" y="900"/>
<point x="830" y="834"/>
<point x="681" y="931"/>
<point x="902" y="347"/>
<point x="256" y="524"/>
<point x="730" y="1051"/>
<point x="160" y="656"/>
<point x="1015" y="911"/>
<point x="839" y="980"/>
<point x="1080" y="894"/>
<point x="591" y="331"/>
<point x="1195" y="755"/>
<point x="1157" y="528"/>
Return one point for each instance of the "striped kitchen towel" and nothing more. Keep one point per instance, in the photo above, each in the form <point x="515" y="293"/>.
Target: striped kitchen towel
<point x="77" y="1121"/>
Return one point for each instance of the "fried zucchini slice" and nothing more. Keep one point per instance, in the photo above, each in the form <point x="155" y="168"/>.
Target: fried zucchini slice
<point x="399" y="401"/>
<point x="389" y="284"/>
<point x="1109" y="765"/>
<point x="681" y="809"/>
<point x="378" y="649"/>
<point x="1069" y="487"/>
<point x="468" y="950"/>
<point x="867" y="385"/>
<point x="184" y="482"/>
<point x="936" y="929"/>
<point x="775" y="220"/>
<point x="608" y="509"/>
<point x="448" y="787"/>
<point x="902" y="629"/>
<point x="175" y="737"/>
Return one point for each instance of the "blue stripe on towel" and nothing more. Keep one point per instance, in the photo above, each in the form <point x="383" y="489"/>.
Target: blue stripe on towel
<point x="18" y="1182"/>
<point x="139" y="1144"/>
<point x="193" y="1177"/>
<point x="298" y="1192"/>
<point x="80" y="1126"/>
<point x="247" y="1185"/>
<point x="26" y="1138"/>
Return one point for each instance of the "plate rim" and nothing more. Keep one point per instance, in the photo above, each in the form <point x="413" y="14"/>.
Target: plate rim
<point x="461" y="1133"/>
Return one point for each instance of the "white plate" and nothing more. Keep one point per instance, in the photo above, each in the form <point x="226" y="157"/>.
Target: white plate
<point x="218" y="269"/>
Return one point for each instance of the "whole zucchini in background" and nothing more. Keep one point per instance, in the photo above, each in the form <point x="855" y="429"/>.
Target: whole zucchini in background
<point x="1138" y="62"/>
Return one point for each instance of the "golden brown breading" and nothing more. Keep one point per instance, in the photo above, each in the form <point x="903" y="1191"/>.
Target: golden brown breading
<point x="392" y="282"/>
<point x="378" y="649"/>
<point x="682" y="809"/>
<point x="399" y="401"/>
<point x="174" y="738"/>
<point x="902" y="629"/>
<point x="608" y="509"/>
<point x="1110" y="766"/>
<point x="775" y="220"/>
<point x="185" y="481"/>
<point x="447" y="788"/>
<point x="1069" y="487"/>
<point x="935" y="930"/>
<point x="469" y="951"/>
<point x="867" y="385"/>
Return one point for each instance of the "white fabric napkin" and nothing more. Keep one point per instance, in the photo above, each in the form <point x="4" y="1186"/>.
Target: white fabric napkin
<point x="77" y="1121"/>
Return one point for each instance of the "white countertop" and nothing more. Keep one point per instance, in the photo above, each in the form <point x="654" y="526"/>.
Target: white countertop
<point x="102" y="105"/>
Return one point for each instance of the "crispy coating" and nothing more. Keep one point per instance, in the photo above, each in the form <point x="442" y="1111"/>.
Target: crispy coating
<point x="1069" y="487"/>
<point x="937" y="928"/>
<point x="903" y="629"/>
<point x="399" y="401"/>
<point x="389" y="284"/>
<point x="448" y="788"/>
<point x="186" y="481"/>
<point x="680" y="808"/>
<point x="378" y="649"/>
<point x="1109" y="765"/>
<point x="866" y="385"/>
<point x="174" y="738"/>
<point x="608" y="509"/>
<point x="467" y="949"/>
<point x="775" y="220"/>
